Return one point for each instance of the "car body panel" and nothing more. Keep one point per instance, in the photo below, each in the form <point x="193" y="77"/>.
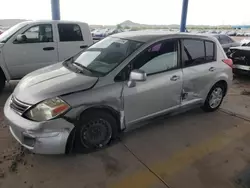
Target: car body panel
<point x="159" y="94"/>
<point x="50" y="82"/>
<point x="49" y="137"/>
<point x="151" y="98"/>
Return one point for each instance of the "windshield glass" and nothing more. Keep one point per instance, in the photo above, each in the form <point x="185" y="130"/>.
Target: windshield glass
<point x="104" y="56"/>
<point x="9" y="32"/>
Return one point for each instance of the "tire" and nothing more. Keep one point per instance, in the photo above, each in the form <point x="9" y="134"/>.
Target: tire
<point x="209" y="106"/>
<point x="95" y="130"/>
<point x="2" y="81"/>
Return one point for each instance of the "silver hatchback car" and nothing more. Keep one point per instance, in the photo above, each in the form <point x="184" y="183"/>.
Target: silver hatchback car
<point x="85" y="101"/>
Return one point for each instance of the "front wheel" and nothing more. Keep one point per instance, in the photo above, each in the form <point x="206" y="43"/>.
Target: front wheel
<point x="95" y="130"/>
<point x="214" y="98"/>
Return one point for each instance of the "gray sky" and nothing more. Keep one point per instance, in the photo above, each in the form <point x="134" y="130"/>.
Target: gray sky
<point x="212" y="12"/>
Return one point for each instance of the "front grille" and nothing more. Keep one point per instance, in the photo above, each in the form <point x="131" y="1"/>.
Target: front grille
<point x="18" y="106"/>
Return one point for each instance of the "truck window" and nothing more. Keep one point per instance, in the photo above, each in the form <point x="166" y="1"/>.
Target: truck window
<point x="39" y="33"/>
<point x="69" y="32"/>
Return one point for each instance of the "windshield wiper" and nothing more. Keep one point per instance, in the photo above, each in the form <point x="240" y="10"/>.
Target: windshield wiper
<point x="81" y="67"/>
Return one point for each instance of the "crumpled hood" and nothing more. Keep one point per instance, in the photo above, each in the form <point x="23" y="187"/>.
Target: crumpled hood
<point x="1" y="45"/>
<point x="244" y="48"/>
<point x="51" y="81"/>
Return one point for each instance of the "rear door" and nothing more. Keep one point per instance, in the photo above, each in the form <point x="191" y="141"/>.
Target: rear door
<point x="37" y="51"/>
<point x="71" y="40"/>
<point x="199" y="69"/>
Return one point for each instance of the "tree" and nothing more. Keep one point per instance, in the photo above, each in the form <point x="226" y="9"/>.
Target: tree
<point x="118" y="26"/>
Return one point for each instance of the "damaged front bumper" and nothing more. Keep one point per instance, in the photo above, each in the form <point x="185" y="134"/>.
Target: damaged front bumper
<point x="241" y="69"/>
<point x="48" y="137"/>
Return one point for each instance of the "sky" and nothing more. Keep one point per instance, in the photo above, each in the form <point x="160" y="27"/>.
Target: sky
<point x="112" y="12"/>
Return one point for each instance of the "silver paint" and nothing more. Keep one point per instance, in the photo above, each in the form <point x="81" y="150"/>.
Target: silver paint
<point x="160" y="94"/>
<point x="50" y="136"/>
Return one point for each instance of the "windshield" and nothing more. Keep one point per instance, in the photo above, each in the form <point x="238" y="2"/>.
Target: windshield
<point x="104" y="56"/>
<point x="9" y="32"/>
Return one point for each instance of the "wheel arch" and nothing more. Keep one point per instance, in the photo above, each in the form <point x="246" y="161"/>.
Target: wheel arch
<point x="224" y="84"/>
<point x="70" y="145"/>
<point x="118" y="115"/>
<point x="2" y="72"/>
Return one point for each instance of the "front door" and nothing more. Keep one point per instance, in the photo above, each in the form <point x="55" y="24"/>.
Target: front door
<point x="162" y="89"/>
<point x="36" y="51"/>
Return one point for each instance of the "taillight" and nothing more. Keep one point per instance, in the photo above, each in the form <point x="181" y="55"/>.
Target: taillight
<point x="229" y="62"/>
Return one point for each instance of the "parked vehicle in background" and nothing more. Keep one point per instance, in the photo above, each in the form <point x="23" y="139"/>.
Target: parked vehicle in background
<point x="231" y="33"/>
<point x="226" y="41"/>
<point x="1" y="31"/>
<point x="31" y="45"/>
<point x="240" y="33"/>
<point x="99" y="34"/>
<point x="114" y="84"/>
<point x="244" y="42"/>
<point x="247" y="34"/>
<point x="241" y="59"/>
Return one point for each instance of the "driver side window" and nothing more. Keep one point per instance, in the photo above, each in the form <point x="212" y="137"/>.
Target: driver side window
<point x="159" y="57"/>
<point x="38" y="34"/>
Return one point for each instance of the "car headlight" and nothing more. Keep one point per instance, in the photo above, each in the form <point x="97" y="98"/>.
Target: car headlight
<point x="47" y="109"/>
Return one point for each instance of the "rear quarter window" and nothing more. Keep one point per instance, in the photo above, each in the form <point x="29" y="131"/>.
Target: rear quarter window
<point x="198" y="51"/>
<point x="210" y="51"/>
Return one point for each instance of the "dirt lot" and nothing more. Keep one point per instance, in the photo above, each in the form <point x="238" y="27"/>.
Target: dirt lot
<point x="204" y="150"/>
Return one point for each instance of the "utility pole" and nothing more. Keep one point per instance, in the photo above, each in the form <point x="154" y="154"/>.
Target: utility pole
<point x="184" y="15"/>
<point x="55" y="9"/>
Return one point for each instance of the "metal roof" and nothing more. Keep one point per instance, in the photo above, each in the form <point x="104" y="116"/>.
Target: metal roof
<point x="147" y="36"/>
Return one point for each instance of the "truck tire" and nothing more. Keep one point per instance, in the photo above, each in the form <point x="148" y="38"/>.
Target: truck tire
<point x="2" y="80"/>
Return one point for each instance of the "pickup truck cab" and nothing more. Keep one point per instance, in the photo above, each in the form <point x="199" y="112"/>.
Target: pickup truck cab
<point x="31" y="45"/>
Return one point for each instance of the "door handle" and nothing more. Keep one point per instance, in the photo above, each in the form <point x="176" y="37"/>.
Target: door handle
<point x="83" y="46"/>
<point x="48" y="48"/>
<point x="174" y="78"/>
<point x="211" y="69"/>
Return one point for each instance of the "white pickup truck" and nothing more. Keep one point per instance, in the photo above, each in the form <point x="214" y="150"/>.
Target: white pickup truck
<point x="31" y="45"/>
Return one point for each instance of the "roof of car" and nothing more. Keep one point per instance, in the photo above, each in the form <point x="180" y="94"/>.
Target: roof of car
<point x="52" y="21"/>
<point x="147" y="36"/>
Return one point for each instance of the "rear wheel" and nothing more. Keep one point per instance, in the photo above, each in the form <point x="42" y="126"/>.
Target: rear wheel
<point x="95" y="130"/>
<point x="214" y="98"/>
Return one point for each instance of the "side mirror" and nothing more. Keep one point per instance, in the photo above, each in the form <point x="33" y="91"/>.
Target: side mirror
<point x="21" y="38"/>
<point x="136" y="76"/>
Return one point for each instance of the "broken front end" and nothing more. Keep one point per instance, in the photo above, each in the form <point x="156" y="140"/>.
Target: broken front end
<point x="241" y="59"/>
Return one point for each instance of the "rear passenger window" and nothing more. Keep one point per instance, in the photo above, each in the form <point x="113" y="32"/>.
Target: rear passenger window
<point x="69" y="32"/>
<point x="210" y="54"/>
<point x="194" y="52"/>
